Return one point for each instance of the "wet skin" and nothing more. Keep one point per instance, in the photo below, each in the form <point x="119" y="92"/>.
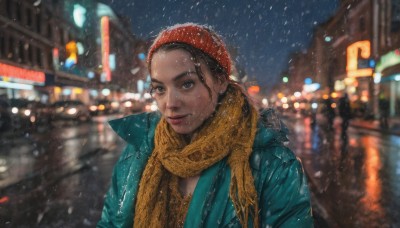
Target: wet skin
<point x="182" y="98"/>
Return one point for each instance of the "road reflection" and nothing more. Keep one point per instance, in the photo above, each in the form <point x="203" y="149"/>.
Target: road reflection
<point x="58" y="178"/>
<point x="373" y="184"/>
<point x="354" y="175"/>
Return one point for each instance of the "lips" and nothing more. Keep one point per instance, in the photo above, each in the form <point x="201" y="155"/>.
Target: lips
<point x="175" y="120"/>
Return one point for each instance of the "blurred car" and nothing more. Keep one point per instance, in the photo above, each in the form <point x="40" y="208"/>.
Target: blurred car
<point x="101" y="107"/>
<point x="28" y="115"/>
<point x="70" y="110"/>
<point x="132" y="106"/>
<point x="5" y="117"/>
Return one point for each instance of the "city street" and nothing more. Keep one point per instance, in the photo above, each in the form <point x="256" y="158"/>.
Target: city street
<point x="69" y="67"/>
<point x="59" y="178"/>
<point x="355" y="183"/>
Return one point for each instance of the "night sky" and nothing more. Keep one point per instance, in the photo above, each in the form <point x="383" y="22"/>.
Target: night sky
<point x="264" y="32"/>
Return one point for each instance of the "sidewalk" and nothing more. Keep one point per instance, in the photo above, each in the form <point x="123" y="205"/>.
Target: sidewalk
<point x="394" y="125"/>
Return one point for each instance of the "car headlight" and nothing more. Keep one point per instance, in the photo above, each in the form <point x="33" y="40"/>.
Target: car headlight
<point x="14" y="110"/>
<point x="114" y="104"/>
<point x="128" y="104"/>
<point x="93" y="108"/>
<point x="27" y="112"/>
<point x="72" y="111"/>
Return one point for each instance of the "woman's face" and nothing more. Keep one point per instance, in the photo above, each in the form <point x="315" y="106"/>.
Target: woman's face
<point x="182" y="98"/>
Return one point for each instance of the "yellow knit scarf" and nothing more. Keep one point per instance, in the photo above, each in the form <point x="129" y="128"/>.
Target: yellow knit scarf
<point x="230" y="132"/>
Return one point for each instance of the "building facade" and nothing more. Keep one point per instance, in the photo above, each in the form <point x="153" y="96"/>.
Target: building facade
<point x="54" y="50"/>
<point x="357" y="52"/>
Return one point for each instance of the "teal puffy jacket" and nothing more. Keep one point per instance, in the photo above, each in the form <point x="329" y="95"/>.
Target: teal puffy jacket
<point x="284" y="199"/>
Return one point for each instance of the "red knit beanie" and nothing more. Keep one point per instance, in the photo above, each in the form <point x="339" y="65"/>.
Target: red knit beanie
<point x="197" y="36"/>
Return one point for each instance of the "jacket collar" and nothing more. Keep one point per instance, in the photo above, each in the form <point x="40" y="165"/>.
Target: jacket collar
<point x="270" y="129"/>
<point x="136" y="129"/>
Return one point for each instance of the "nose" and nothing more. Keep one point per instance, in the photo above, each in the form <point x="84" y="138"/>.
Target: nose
<point x="173" y="99"/>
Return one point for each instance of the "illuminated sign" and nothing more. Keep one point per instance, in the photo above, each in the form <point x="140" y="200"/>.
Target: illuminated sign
<point x="79" y="15"/>
<point x="15" y="85"/>
<point x="253" y="90"/>
<point x="72" y="54"/>
<point x="311" y="87"/>
<point x="56" y="58"/>
<point x="105" y="47"/>
<point x="21" y="73"/>
<point x="390" y="59"/>
<point x="364" y="48"/>
<point x="142" y="56"/>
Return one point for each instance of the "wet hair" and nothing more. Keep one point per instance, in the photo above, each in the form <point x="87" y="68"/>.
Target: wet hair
<point x="217" y="71"/>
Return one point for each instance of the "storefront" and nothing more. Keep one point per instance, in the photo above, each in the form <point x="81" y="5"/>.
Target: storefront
<point x="17" y="82"/>
<point x="387" y="76"/>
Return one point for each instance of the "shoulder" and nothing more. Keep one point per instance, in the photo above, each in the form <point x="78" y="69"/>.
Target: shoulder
<point x="269" y="144"/>
<point x="271" y="130"/>
<point x="135" y="128"/>
<point x="138" y="131"/>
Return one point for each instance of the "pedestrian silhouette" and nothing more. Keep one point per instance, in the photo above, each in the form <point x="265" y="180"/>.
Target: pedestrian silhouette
<point x="313" y="114"/>
<point x="383" y="111"/>
<point x="345" y="114"/>
<point x="329" y="113"/>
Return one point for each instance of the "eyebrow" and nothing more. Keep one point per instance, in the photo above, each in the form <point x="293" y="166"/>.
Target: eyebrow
<point x="177" y="78"/>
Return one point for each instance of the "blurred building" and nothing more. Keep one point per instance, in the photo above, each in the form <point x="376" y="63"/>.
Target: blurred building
<point x="299" y="69"/>
<point x="26" y="43"/>
<point x="387" y="69"/>
<point x="356" y="52"/>
<point x="74" y="49"/>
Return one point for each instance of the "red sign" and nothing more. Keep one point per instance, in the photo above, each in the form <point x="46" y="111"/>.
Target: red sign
<point x="21" y="73"/>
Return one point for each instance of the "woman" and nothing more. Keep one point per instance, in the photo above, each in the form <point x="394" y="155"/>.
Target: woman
<point x="209" y="159"/>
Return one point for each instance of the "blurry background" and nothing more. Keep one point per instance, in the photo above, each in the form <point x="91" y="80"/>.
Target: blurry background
<point x="67" y="67"/>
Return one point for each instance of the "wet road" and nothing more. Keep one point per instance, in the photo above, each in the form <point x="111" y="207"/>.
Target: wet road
<point x="58" y="178"/>
<point x="356" y="182"/>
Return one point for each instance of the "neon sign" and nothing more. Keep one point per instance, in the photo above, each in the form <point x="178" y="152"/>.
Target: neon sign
<point x="105" y="47"/>
<point x="253" y="90"/>
<point x="390" y="59"/>
<point x="364" y="48"/>
<point x="79" y="15"/>
<point x="21" y="73"/>
<point x="72" y="56"/>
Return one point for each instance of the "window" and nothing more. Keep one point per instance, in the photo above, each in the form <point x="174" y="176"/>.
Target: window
<point x="49" y="31"/>
<point x="62" y="42"/>
<point x="30" y="54"/>
<point x="2" y="44"/>
<point x="10" y="53"/>
<point x="29" y="18"/>
<point x="18" y="10"/>
<point x="362" y="24"/>
<point x="39" y="57"/>
<point x="21" y="52"/>
<point x="49" y="60"/>
<point x="9" y="8"/>
<point x="39" y="22"/>
<point x="395" y="25"/>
